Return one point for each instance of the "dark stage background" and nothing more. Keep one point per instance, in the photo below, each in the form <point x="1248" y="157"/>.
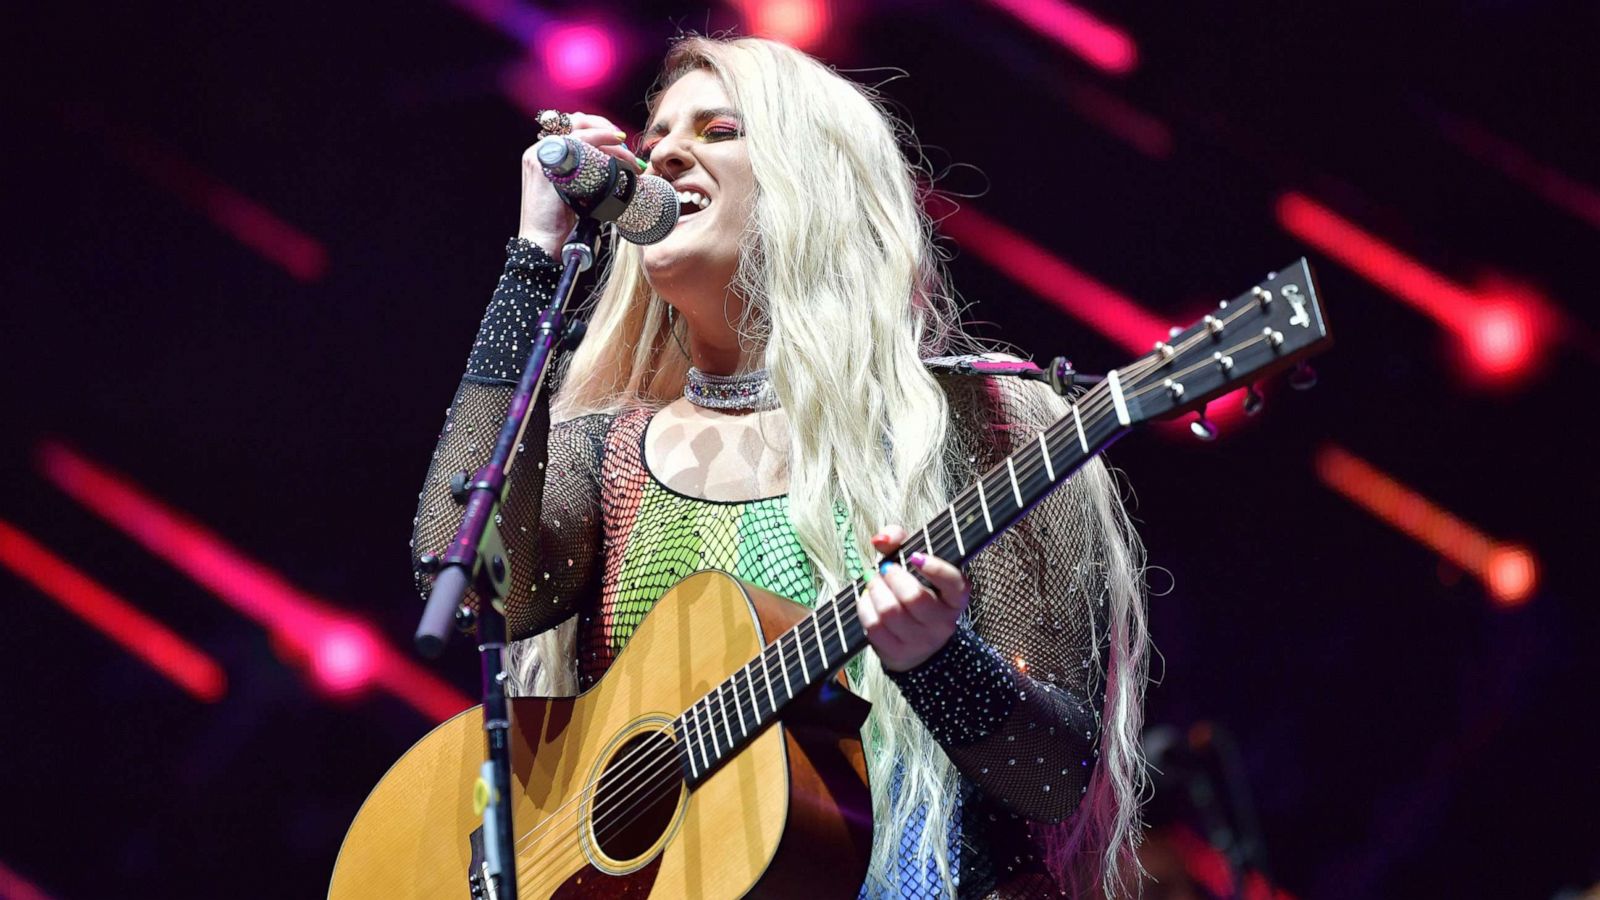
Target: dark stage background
<point x="246" y="247"/>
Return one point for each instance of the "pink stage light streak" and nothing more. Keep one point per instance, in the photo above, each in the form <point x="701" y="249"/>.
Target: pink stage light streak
<point x="1503" y="329"/>
<point x="1119" y="118"/>
<point x="344" y="655"/>
<point x="1104" y="46"/>
<point x="181" y="662"/>
<point x="15" y="887"/>
<point x="1546" y="181"/>
<point x="245" y="220"/>
<point x="1509" y="571"/>
<point x="1071" y="290"/>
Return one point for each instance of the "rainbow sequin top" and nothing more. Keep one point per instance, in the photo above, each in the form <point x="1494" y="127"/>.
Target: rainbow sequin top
<point x="656" y="537"/>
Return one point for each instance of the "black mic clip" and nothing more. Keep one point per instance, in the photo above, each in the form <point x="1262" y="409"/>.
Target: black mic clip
<point x="1062" y="377"/>
<point x="609" y="200"/>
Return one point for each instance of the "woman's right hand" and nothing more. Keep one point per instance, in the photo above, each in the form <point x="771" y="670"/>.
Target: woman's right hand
<point x="546" y="218"/>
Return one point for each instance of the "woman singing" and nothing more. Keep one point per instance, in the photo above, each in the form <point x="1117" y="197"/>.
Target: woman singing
<point x="755" y="395"/>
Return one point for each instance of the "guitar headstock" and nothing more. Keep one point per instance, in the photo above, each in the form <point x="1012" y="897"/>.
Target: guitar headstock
<point x="1273" y="325"/>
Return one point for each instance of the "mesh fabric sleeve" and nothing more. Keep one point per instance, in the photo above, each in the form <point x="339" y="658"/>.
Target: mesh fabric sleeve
<point x="550" y="516"/>
<point x="1014" y="698"/>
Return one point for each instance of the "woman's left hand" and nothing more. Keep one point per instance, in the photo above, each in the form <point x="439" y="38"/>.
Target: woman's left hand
<point x="906" y="622"/>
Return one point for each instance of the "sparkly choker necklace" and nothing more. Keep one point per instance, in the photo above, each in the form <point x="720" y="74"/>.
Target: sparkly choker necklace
<point x="752" y="390"/>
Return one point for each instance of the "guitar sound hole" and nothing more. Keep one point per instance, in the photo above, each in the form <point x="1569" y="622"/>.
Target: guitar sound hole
<point x="637" y="796"/>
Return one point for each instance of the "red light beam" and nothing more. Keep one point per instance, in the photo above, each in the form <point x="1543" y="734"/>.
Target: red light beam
<point x="155" y="644"/>
<point x="15" y="887"/>
<point x="1502" y="331"/>
<point x="1546" y="181"/>
<point x="1119" y="118"/>
<point x="1104" y="46"/>
<point x="1071" y="290"/>
<point x="1509" y="571"/>
<point x="343" y="654"/>
<point x="230" y="210"/>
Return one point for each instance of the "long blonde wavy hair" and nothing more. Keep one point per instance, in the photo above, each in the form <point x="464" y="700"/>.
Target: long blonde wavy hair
<point x="838" y="264"/>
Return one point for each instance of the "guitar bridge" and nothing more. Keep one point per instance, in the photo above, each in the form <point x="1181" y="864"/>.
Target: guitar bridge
<point x="480" y="884"/>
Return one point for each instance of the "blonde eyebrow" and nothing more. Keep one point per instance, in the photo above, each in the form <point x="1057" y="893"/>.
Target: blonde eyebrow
<point x="703" y="115"/>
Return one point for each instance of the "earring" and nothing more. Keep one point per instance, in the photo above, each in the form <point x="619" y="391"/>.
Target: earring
<point x="672" y="329"/>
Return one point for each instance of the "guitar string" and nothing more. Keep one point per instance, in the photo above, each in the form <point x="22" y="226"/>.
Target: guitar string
<point x="743" y="708"/>
<point x="653" y="789"/>
<point x="646" y="794"/>
<point x="679" y="750"/>
<point x="643" y="793"/>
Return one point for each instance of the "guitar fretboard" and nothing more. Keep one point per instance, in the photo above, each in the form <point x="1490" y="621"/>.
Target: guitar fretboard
<point x="725" y="719"/>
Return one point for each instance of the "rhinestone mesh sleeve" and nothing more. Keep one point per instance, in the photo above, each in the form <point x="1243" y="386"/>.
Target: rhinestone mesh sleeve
<point x="506" y="335"/>
<point x="550" y="517"/>
<point x="1037" y="594"/>
<point x="963" y="693"/>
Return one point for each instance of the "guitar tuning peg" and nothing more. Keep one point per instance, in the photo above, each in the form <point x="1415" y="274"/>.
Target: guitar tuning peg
<point x="1303" y="378"/>
<point x="1253" y="401"/>
<point x="1202" y="427"/>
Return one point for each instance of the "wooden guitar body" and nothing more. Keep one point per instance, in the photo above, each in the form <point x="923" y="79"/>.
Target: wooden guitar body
<point x="788" y="815"/>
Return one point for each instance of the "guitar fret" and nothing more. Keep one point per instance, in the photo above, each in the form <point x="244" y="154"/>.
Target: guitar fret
<point x="727" y="718"/>
<point x="927" y="540"/>
<point x="738" y="708"/>
<point x="697" y="740"/>
<point x="955" y="526"/>
<point x="800" y="650"/>
<point x="983" y="504"/>
<point x="711" y="726"/>
<point x="700" y="735"/>
<point x="838" y="622"/>
<point x="783" y="667"/>
<point x="1016" y="491"/>
<point x="1118" y="401"/>
<point x="822" y="649"/>
<point x="726" y="728"/>
<point x="686" y="732"/>
<point x="766" y="675"/>
<point x="1083" y="440"/>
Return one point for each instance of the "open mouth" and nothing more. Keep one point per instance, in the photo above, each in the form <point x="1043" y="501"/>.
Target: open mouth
<point x="691" y="202"/>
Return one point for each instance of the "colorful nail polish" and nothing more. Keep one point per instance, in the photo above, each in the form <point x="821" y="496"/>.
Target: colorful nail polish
<point x="642" y="164"/>
<point x="883" y="567"/>
<point x="917" y="560"/>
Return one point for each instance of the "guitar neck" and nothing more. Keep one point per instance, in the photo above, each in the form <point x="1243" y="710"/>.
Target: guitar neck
<point x="1275" y="324"/>
<point x="722" y="721"/>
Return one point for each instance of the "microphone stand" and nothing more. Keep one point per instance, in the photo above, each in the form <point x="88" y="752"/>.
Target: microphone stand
<point x="477" y="557"/>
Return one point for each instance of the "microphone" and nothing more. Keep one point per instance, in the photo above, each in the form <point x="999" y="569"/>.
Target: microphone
<point x="644" y="207"/>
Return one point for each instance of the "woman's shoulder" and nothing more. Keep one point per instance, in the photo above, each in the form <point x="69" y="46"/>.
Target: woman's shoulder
<point x="601" y="436"/>
<point x="993" y="390"/>
<point x="580" y="441"/>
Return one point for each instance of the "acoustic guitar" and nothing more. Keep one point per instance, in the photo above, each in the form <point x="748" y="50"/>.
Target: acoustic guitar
<point x="720" y="756"/>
